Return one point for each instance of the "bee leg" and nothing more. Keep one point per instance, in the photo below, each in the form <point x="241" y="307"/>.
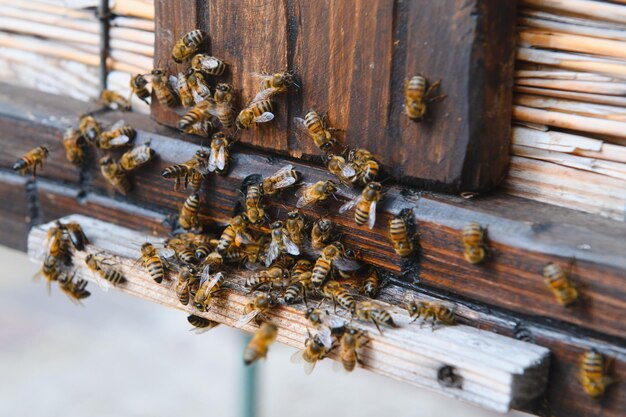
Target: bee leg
<point x="378" y="327"/>
<point x="432" y="87"/>
<point x="304" y="298"/>
<point x="177" y="184"/>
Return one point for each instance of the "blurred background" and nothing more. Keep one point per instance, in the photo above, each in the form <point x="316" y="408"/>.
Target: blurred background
<point x="127" y="357"/>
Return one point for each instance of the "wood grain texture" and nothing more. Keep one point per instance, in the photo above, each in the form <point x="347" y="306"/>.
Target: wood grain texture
<point x="352" y="58"/>
<point x="16" y="214"/>
<point x="497" y="372"/>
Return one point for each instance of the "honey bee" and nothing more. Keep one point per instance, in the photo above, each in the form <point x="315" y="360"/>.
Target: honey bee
<point x="114" y="101"/>
<point x="195" y="169"/>
<point x="137" y="157"/>
<point x="74" y="145"/>
<point x="76" y="235"/>
<point x="154" y="263"/>
<point x="198" y="86"/>
<point x="254" y="208"/>
<point x="281" y="243"/>
<point x="317" y="129"/>
<point x="416" y="96"/>
<point x="365" y="205"/>
<point x="472" y="237"/>
<point x="275" y="275"/>
<point x="184" y="250"/>
<point x="115" y="175"/>
<point x="208" y="64"/>
<point x="401" y="230"/>
<point x="56" y="243"/>
<point x="179" y="84"/>
<point x="563" y="290"/>
<point x="184" y="284"/>
<point x="300" y="282"/>
<point x="279" y="82"/>
<point x="321" y="233"/>
<point x="109" y="275"/>
<point x="199" y="114"/>
<point x="334" y="291"/>
<point x="256" y="310"/>
<point x="235" y="233"/>
<point x="138" y="86"/>
<point x="372" y="283"/>
<point x="281" y="179"/>
<point x="310" y="194"/>
<point x="332" y="256"/>
<point x="436" y="312"/>
<point x="295" y="227"/>
<point x="223" y="108"/>
<point x="200" y="324"/>
<point x="314" y="351"/>
<point x="256" y="112"/>
<point x="210" y="285"/>
<point x="365" y="165"/>
<point x="32" y="159"/>
<point x="50" y="270"/>
<point x="368" y="311"/>
<point x="259" y="344"/>
<point x="219" y="155"/>
<point x="188" y="217"/>
<point x="119" y="135"/>
<point x="203" y="128"/>
<point x="162" y="87"/>
<point x="90" y="128"/>
<point x="75" y="290"/>
<point x="593" y="373"/>
<point x="188" y="45"/>
<point x="338" y="167"/>
<point x="351" y="341"/>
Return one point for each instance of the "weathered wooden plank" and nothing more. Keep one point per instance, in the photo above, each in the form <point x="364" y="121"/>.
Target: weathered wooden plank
<point x="497" y="372"/>
<point x="352" y="59"/>
<point x="16" y="215"/>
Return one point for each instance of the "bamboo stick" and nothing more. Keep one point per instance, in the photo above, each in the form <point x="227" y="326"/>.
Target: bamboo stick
<point x="577" y="21"/>
<point x="133" y="35"/>
<point x="572" y="95"/>
<point x="570" y="121"/>
<point x="124" y="45"/>
<point x="570" y="106"/>
<point x="595" y="9"/>
<point x="83" y="25"/>
<point x="48" y="48"/>
<point x="125" y="67"/>
<point x="595" y="87"/>
<point x="581" y="28"/>
<point x="48" y="31"/>
<point x="53" y="9"/>
<point x="564" y="75"/>
<point x="572" y="43"/>
<point x="141" y="62"/>
<point x="571" y="61"/>
<point x="133" y="23"/>
<point x="133" y="8"/>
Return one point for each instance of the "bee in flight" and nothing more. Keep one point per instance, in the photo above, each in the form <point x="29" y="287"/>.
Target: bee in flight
<point x="208" y="64"/>
<point x="200" y="324"/>
<point x="188" y="45"/>
<point x="117" y="136"/>
<point x="256" y="310"/>
<point x="74" y="145"/>
<point x="317" y="129"/>
<point x="139" y="87"/>
<point x="114" y="101"/>
<point x="281" y="179"/>
<point x="593" y="373"/>
<point x="281" y="243"/>
<point x="259" y="343"/>
<point x="351" y="341"/>
<point x="137" y="157"/>
<point x="31" y="160"/>
<point x="314" y="350"/>
<point x="74" y="289"/>
<point x="115" y="175"/>
<point x="90" y="128"/>
<point x="310" y="194"/>
<point x="557" y="280"/>
<point x="472" y="238"/>
<point x="416" y="95"/>
<point x="365" y="205"/>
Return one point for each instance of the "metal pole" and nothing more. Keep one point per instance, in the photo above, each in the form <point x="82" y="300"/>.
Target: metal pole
<point x="104" y="17"/>
<point x="249" y="385"/>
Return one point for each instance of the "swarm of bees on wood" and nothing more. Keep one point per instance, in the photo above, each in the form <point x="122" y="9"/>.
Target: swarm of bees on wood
<point x="292" y="258"/>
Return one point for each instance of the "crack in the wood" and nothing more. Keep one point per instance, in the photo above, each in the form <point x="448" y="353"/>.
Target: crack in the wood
<point x="32" y="201"/>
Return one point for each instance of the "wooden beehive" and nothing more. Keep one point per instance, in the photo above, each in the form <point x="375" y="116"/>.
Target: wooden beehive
<point x="567" y="147"/>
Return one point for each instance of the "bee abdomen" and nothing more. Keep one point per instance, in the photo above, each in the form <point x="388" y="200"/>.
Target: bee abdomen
<point x="193" y="38"/>
<point x="175" y="171"/>
<point x="361" y="214"/>
<point x="320" y="272"/>
<point x="293" y="292"/>
<point x="261" y="107"/>
<point x="114" y="277"/>
<point x="155" y="269"/>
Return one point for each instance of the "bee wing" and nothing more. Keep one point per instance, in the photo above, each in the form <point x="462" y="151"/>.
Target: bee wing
<point x="221" y="158"/>
<point x="209" y="62"/>
<point x="349" y="205"/>
<point x="264" y="94"/>
<point x="336" y="322"/>
<point x="297" y="357"/>
<point x="117" y="124"/>
<point x="285" y="182"/>
<point x="206" y="274"/>
<point x="168" y="254"/>
<point x="120" y="140"/>
<point x="325" y="336"/>
<point x="309" y="367"/>
<point x="291" y="247"/>
<point x="272" y="253"/>
<point x="265" y="117"/>
<point x="300" y="124"/>
<point x="371" y="220"/>
<point x="102" y="283"/>
<point x="242" y="238"/>
<point x="214" y="280"/>
<point x="212" y="160"/>
<point x="347" y="170"/>
<point x="247" y="318"/>
<point x="175" y="82"/>
<point x="345" y="264"/>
